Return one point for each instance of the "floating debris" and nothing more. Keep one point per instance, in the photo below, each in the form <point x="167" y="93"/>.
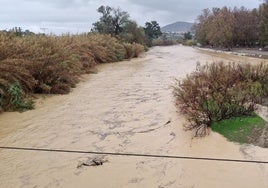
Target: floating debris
<point x="96" y="161"/>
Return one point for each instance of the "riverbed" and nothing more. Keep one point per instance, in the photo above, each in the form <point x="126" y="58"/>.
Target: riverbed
<point x="127" y="107"/>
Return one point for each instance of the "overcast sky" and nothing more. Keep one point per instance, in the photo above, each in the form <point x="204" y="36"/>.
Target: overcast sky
<point x="77" y="16"/>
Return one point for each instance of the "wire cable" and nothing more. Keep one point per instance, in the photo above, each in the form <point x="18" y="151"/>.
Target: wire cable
<point x="134" y="155"/>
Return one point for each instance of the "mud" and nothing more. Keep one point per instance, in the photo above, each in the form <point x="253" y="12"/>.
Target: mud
<point x="126" y="107"/>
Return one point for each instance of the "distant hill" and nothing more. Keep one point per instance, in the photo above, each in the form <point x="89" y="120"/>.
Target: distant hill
<point x="177" y="27"/>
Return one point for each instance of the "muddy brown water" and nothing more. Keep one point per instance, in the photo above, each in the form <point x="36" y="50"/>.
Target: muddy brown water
<point x="124" y="108"/>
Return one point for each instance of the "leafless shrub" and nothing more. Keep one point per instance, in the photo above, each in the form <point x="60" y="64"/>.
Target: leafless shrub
<point x="216" y="91"/>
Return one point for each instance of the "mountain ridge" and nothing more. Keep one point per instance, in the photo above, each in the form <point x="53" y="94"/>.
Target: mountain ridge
<point x="179" y="27"/>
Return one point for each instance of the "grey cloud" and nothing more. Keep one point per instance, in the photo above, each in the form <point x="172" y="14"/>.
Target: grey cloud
<point x="61" y="3"/>
<point x="64" y="14"/>
<point x="186" y="10"/>
<point x="175" y="5"/>
<point x="47" y="10"/>
<point x="167" y="5"/>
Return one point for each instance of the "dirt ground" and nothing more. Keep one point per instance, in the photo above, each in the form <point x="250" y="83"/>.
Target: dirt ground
<point x="124" y="108"/>
<point x="259" y="137"/>
<point x="254" y="52"/>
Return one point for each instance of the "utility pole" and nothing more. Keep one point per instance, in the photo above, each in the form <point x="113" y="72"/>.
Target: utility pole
<point x="44" y="29"/>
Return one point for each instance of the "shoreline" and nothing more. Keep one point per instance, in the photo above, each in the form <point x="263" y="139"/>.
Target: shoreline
<point x="248" y="52"/>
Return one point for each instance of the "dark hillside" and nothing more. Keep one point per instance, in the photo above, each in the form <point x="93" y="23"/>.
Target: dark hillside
<point x="177" y="27"/>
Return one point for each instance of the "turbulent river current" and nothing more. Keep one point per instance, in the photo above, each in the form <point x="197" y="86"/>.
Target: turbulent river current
<point x="127" y="107"/>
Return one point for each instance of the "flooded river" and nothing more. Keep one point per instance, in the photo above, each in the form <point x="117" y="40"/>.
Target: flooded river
<point x="124" y="108"/>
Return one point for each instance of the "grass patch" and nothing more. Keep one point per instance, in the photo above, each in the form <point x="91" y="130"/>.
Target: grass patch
<point x="238" y="129"/>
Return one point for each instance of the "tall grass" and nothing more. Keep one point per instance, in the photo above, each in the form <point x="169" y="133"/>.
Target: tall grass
<point x="53" y="64"/>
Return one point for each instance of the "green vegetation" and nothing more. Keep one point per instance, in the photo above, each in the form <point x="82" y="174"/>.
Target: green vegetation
<point x="17" y="102"/>
<point x="238" y="129"/>
<point x="112" y="21"/>
<point x="190" y="42"/>
<point x="167" y="39"/>
<point x="118" y="24"/>
<point x="164" y="41"/>
<point x="216" y="92"/>
<point x="187" y="36"/>
<point x="225" y="27"/>
<point x="152" y="31"/>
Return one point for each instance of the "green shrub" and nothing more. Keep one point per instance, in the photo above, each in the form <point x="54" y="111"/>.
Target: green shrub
<point x="17" y="101"/>
<point x="216" y="91"/>
<point x="190" y="43"/>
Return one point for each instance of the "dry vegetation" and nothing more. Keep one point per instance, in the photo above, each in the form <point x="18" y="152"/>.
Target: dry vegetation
<point x="52" y="64"/>
<point x="226" y="27"/>
<point x="216" y="92"/>
<point x="164" y="42"/>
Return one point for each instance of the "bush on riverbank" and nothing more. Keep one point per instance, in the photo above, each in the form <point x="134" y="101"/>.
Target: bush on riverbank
<point x="217" y="91"/>
<point x="164" y="42"/>
<point x="190" y="42"/>
<point x="52" y="64"/>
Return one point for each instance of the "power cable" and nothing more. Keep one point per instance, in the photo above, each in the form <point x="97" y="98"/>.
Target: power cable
<point x="134" y="155"/>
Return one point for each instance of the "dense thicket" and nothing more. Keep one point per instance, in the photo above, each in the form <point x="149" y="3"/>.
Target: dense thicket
<point x="32" y="63"/>
<point x="225" y="27"/>
<point x="216" y="91"/>
<point x="52" y="64"/>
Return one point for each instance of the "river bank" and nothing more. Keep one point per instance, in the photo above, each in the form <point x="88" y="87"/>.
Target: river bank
<point x="249" y="52"/>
